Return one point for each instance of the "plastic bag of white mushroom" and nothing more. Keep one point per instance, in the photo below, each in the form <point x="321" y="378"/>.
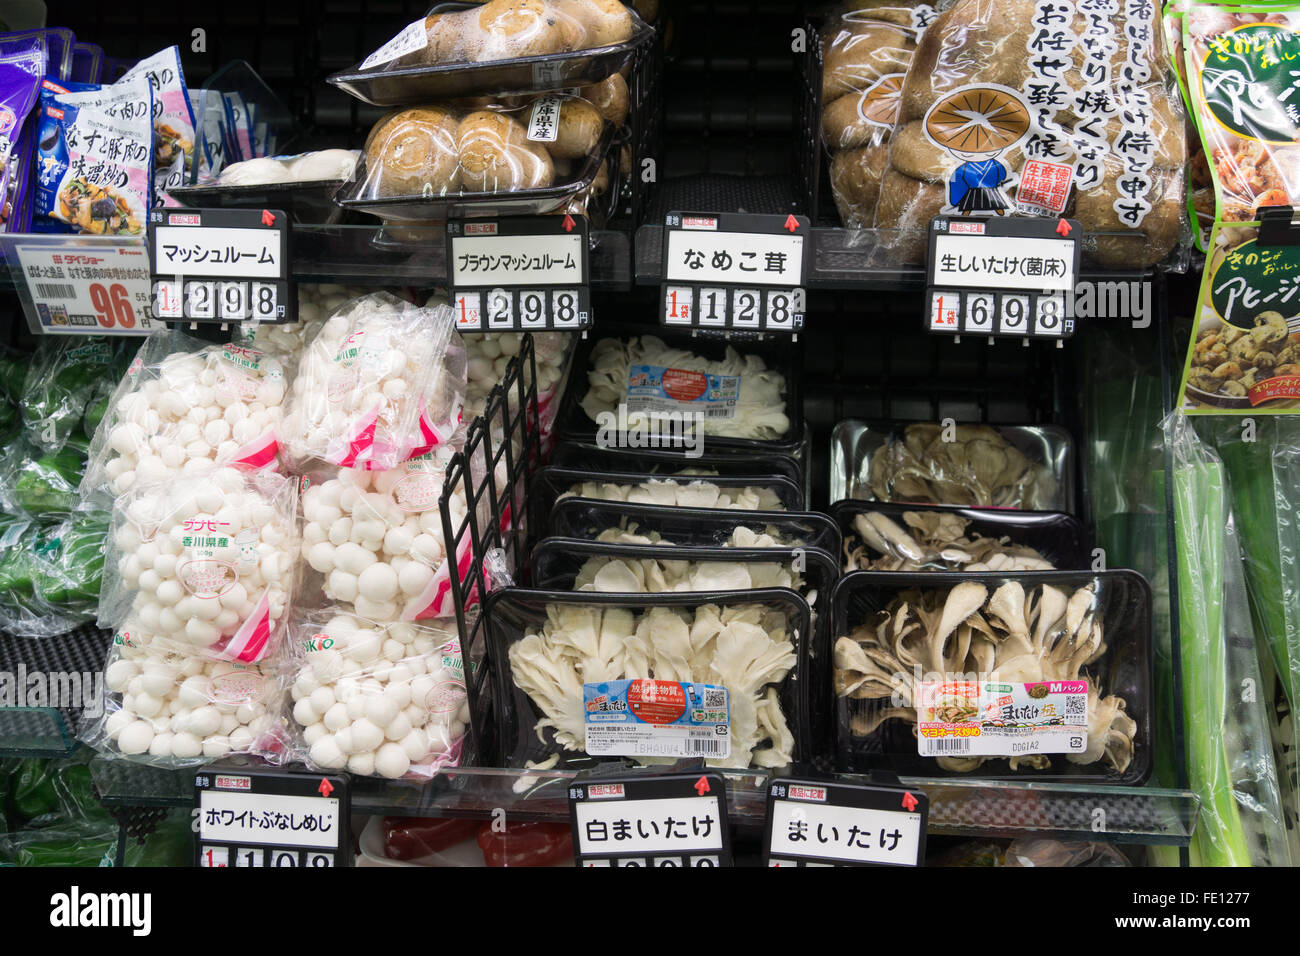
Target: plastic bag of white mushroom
<point x="1045" y="674"/>
<point x="489" y="354"/>
<point x="653" y="679"/>
<point x="383" y="381"/>
<point x="377" y="538"/>
<point x="183" y="407"/>
<point x="316" y="302"/>
<point x="204" y="565"/>
<point x="173" y="710"/>
<point x="736" y="396"/>
<point x="379" y="699"/>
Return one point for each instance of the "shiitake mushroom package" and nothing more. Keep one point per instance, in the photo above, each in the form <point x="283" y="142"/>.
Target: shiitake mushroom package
<point x="1041" y="108"/>
<point x="866" y="49"/>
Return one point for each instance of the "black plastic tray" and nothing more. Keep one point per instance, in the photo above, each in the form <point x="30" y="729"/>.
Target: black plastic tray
<point x="1058" y="537"/>
<point x="586" y="518"/>
<point x="529" y="74"/>
<point x="592" y="457"/>
<point x="520" y="202"/>
<point x="550" y="482"/>
<point x="512" y="612"/>
<point x="309" y="201"/>
<point x="1125" y="669"/>
<point x="573" y="423"/>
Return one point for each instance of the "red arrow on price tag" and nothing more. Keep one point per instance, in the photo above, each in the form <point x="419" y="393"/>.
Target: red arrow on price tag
<point x="568" y="223"/>
<point x="791" y="223"/>
<point x="702" y="786"/>
<point x="325" y="788"/>
<point x="268" y="217"/>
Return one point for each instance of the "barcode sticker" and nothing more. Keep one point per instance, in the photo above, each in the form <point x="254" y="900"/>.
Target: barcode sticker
<point x="55" y="290"/>
<point x="656" y="718"/>
<point x="998" y="719"/>
<point x="655" y="390"/>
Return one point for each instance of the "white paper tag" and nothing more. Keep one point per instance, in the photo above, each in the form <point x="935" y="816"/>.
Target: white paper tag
<point x="217" y="251"/>
<point x="1001" y="719"/>
<point x="102" y="289"/>
<point x="544" y="120"/>
<point x="517" y="261"/>
<point x="413" y="38"/>
<point x="735" y="258"/>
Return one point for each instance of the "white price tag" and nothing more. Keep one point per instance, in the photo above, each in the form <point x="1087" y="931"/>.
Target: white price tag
<point x="277" y="820"/>
<point x="1013" y="319"/>
<point x="467" y="307"/>
<point x="218" y="251"/>
<point x="264" y="301"/>
<point x="981" y="307"/>
<point x="201" y="299"/>
<point x="514" y="260"/>
<point x="1049" y="314"/>
<point x="611" y="827"/>
<point x="79" y="287"/>
<point x="713" y="307"/>
<point x="779" y="309"/>
<point x="500" y="309"/>
<point x="233" y="300"/>
<point x="965" y="261"/>
<point x="945" y="310"/>
<point x="679" y="305"/>
<point x="564" y="309"/>
<point x="734" y="257"/>
<point x="532" y="309"/>
<point x="167" y="300"/>
<point x="848" y="834"/>
<point x="746" y="308"/>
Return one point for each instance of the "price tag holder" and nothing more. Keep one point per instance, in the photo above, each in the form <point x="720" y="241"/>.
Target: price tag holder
<point x="832" y="823"/>
<point x="221" y="265"/>
<point x="650" y="819"/>
<point x="734" y="271"/>
<point x="1002" y="276"/>
<point x="268" y="817"/>
<point x="77" y="285"/>
<point x="519" y="274"/>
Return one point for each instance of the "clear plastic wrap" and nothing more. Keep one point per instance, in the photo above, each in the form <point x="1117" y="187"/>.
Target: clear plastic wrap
<point x="506" y="30"/>
<point x="68" y="382"/>
<point x="381" y="699"/>
<point x="417" y="155"/>
<point x="204" y="565"/>
<point x="172" y="710"/>
<point x="623" y="372"/>
<point x="1241" y="101"/>
<point x="865" y="54"/>
<point x="377" y="538"/>
<point x="1030" y="108"/>
<point x="316" y="303"/>
<point x="28" y="550"/>
<point x="183" y="408"/>
<point x="489" y="353"/>
<point x="383" y="381"/>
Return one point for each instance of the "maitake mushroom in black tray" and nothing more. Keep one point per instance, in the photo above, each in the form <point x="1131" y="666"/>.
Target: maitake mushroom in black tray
<point x="1047" y="636"/>
<point x="933" y="541"/>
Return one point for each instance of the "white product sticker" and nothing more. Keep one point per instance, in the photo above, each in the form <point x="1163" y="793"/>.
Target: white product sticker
<point x="656" y="718"/>
<point x="734" y="258"/>
<point x="544" y="120"/>
<point x="217" y="251"/>
<point x="654" y="389"/>
<point x="413" y="38"/>
<point x="997" y="719"/>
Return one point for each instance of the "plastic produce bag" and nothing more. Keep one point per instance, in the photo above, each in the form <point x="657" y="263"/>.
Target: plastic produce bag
<point x="1002" y="114"/>
<point x="383" y="381"/>
<point x="182" y="408"/>
<point x="28" y="552"/>
<point x="205" y="565"/>
<point x="865" y="54"/>
<point x="66" y="377"/>
<point x="1229" y="758"/>
<point x="377" y="537"/>
<point x="74" y="569"/>
<point x="316" y="302"/>
<point x="172" y="710"/>
<point x="381" y="699"/>
<point x="39" y="484"/>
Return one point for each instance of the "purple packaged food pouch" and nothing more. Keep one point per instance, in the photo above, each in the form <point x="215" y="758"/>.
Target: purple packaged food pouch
<point x="58" y="48"/>
<point x="22" y="65"/>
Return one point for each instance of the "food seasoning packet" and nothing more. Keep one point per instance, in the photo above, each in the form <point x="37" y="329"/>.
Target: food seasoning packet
<point x="102" y="177"/>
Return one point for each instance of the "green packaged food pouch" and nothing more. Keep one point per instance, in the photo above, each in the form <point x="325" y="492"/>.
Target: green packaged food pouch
<point x="65" y="377"/>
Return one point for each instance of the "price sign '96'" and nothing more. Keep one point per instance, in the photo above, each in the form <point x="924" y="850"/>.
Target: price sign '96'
<point x="220" y="265"/>
<point x="80" y="284"/>
<point x="519" y="274"/>
<point x="1009" y="277"/>
<point x="734" y="271"/>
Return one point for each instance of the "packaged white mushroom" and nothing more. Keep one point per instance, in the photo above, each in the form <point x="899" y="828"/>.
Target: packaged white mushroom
<point x="586" y="670"/>
<point x="639" y="574"/>
<point x="680" y="494"/>
<point x="383" y="700"/>
<point x="383" y="381"/>
<point x="489" y="355"/>
<point x="183" y="408"/>
<point x="204" y="565"/>
<point x="173" y="710"/>
<point x="377" y="538"/>
<point x="736" y="397"/>
<point x="316" y="302"/>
